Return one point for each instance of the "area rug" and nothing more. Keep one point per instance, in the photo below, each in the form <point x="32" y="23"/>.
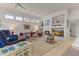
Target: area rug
<point x="40" y="46"/>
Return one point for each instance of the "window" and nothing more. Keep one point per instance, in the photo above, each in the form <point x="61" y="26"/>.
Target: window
<point x="19" y="18"/>
<point x="9" y="17"/>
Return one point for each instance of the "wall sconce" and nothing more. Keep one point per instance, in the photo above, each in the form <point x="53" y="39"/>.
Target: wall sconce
<point x="27" y="20"/>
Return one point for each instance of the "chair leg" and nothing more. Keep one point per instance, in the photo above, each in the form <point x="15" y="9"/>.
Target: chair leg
<point x="52" y="41"/>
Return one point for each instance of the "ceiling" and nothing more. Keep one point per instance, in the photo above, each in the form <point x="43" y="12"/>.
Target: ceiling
<point x="39" y="9"/>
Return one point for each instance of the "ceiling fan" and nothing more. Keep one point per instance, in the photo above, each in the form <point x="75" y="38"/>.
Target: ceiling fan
<point x="19" y="5"/>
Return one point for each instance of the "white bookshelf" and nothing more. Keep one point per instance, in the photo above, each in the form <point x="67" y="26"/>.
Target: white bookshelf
<point x="58" y="21"/>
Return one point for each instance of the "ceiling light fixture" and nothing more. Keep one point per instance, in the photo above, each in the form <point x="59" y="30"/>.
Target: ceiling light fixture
<point x="19" y="5"/>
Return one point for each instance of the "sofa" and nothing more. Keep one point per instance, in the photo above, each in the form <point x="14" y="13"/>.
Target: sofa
<point x="2" y="40"/>
<point x="7" y="38"/>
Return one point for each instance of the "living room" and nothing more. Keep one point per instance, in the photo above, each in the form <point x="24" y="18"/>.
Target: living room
<point x="26" y="28"/>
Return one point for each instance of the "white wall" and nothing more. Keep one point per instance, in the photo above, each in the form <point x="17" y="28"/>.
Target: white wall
<point x="74" y="14"/>
<point x="73" y="30"/>
<point x="18" y="25"/>
<point x="74" y="17"/>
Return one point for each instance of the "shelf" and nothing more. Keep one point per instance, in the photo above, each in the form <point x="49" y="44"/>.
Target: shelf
<point x="58" y="21"/>
<point x="58" y="27"/>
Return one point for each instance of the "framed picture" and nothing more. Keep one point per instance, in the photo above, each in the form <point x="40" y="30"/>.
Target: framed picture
<point x="47" y="22"/>
<point x="26" y="26"/>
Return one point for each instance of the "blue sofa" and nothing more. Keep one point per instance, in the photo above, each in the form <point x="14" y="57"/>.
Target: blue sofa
<point x="2" y="40"/>
<point x="6" y="38"/>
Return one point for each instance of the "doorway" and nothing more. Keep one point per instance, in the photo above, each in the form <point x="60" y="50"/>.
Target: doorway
<point x="74" y="28"/>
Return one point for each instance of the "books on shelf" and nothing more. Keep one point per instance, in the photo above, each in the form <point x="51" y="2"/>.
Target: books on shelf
<point x="58" y="21"/>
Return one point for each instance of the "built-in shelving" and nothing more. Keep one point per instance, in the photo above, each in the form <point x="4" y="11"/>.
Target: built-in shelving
<point x="57" y="21"/>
